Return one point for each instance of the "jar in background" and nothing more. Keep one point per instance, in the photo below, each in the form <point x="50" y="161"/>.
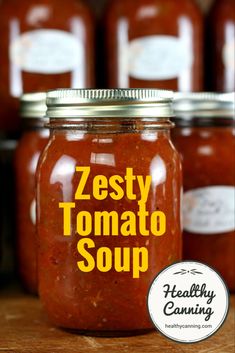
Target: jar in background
<point x="43" y="45"/>
<point x="220" y="46"/>
<point x="205" y="136"/>
<point x="155" y="44"/>
<point x="34" y="138"/>
<point x="109" y="137"/>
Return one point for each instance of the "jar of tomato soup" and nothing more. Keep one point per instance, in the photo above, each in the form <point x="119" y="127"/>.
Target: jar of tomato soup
<point x="44" y="45"/>
<point x="108" y="201"/>
<point x="205" y="136"/>
<point x="220" y="46"/>
<point x="32" y="142"/>
<point x="155" y="43"/>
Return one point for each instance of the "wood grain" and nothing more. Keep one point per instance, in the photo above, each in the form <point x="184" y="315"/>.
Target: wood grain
<point x="24" y="328"/>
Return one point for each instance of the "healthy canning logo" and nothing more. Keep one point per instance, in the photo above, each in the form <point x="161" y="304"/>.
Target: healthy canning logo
<point x="188" y="302"/>
<point x="120" y="193"/>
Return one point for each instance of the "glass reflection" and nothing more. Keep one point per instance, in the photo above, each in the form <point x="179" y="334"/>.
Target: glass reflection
<point x="147" y="11"/>
<point x="37" y="14"/>
<point x="205" y="150"/>
<point x="158" y="171"/>
<point x="63" y="173"/>
<point x="186" y="36"/>
<point x="34" y="163"/>
<point x="103" y="159"/>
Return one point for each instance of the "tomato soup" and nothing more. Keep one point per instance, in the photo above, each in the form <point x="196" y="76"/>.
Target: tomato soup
<point x="154" y="43"/>
<point x="44" y="45"/>
<point x="32" y="142"/>
<point x="205" y="137"/>
<point x="108" y="196"/>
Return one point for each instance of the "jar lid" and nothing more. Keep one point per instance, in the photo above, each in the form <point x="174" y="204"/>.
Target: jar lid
<point x="204" y="105"/>
<point x="109" y="103"/>
<point x="33" y="105"/>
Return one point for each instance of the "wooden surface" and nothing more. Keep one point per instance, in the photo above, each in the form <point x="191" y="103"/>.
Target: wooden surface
<point x="24" y="329"/>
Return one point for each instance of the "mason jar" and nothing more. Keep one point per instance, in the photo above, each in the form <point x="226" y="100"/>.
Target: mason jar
<point x="34" y="138"/>
<point x="108" y="207"/>
<point x="205" y="137"/>
<point x="154" y="44"/>
<point x="43" y="45"/>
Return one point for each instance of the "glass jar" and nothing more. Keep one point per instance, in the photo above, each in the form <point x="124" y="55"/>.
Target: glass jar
<point x="105" y="148"/>
<point x="44" y="45"/>
<point x="31" y="144"/>
<point x="220" y="46"/>
<point x="155" y="44"/>
<point x="205" y="136"/>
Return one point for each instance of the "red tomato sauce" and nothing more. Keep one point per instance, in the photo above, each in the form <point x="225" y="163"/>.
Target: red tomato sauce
<point x="104" y="301"/>
<point x="155" y="43"/>
<point x="43" y="46"/>
<point x="220" y="46"/>
<point x="30" y="146"/>
<point x="208" y="168"/>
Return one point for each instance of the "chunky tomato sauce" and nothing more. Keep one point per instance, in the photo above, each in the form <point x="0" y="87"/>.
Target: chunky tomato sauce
<point x="155" y="43"/>
<point x="26" y="158"/>
<point x="220" y="46"/>
<point x="104" y="301"/>
<point x="43" y="45"/>
<point x="208" y="161"/>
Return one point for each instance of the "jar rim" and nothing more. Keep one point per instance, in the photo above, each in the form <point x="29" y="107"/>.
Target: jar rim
<point x="211" y="105"/>
<point x="109" y="103"/>
<point x="33" y="105"/>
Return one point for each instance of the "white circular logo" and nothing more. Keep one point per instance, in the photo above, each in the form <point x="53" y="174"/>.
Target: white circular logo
<point x="188" y="302"/>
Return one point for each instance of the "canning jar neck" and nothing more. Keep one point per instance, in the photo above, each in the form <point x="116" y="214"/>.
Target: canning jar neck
<point x="111" y="125"/>
<point x="194" y="121"/>
<point x="28" y="124"/>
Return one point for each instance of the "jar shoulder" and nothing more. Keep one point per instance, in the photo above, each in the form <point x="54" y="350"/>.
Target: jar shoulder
<point x="205" y="153"/>
<point x="200" y="135"/>
<point x="30" y="147"/>
<point x="39" y="15"/>
<point x="142" y="10"/>
<point x="109" y="154"/>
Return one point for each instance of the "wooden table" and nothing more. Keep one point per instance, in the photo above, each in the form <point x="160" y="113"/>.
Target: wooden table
<point x="24" y="329"/>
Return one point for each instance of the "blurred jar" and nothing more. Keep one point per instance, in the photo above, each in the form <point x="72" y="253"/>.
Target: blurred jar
<point x="155" y="43"/>
<point x="205" y="137"/>
<point x="32" y="142"/>
<point x="220" y="46"/>
<point x="43" y="45"/>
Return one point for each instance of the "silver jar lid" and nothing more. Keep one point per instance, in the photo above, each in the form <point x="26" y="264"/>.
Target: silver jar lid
<point x="204" y="105"/>
<point x="109" y="103"/>
<point x="33" y="105"/>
